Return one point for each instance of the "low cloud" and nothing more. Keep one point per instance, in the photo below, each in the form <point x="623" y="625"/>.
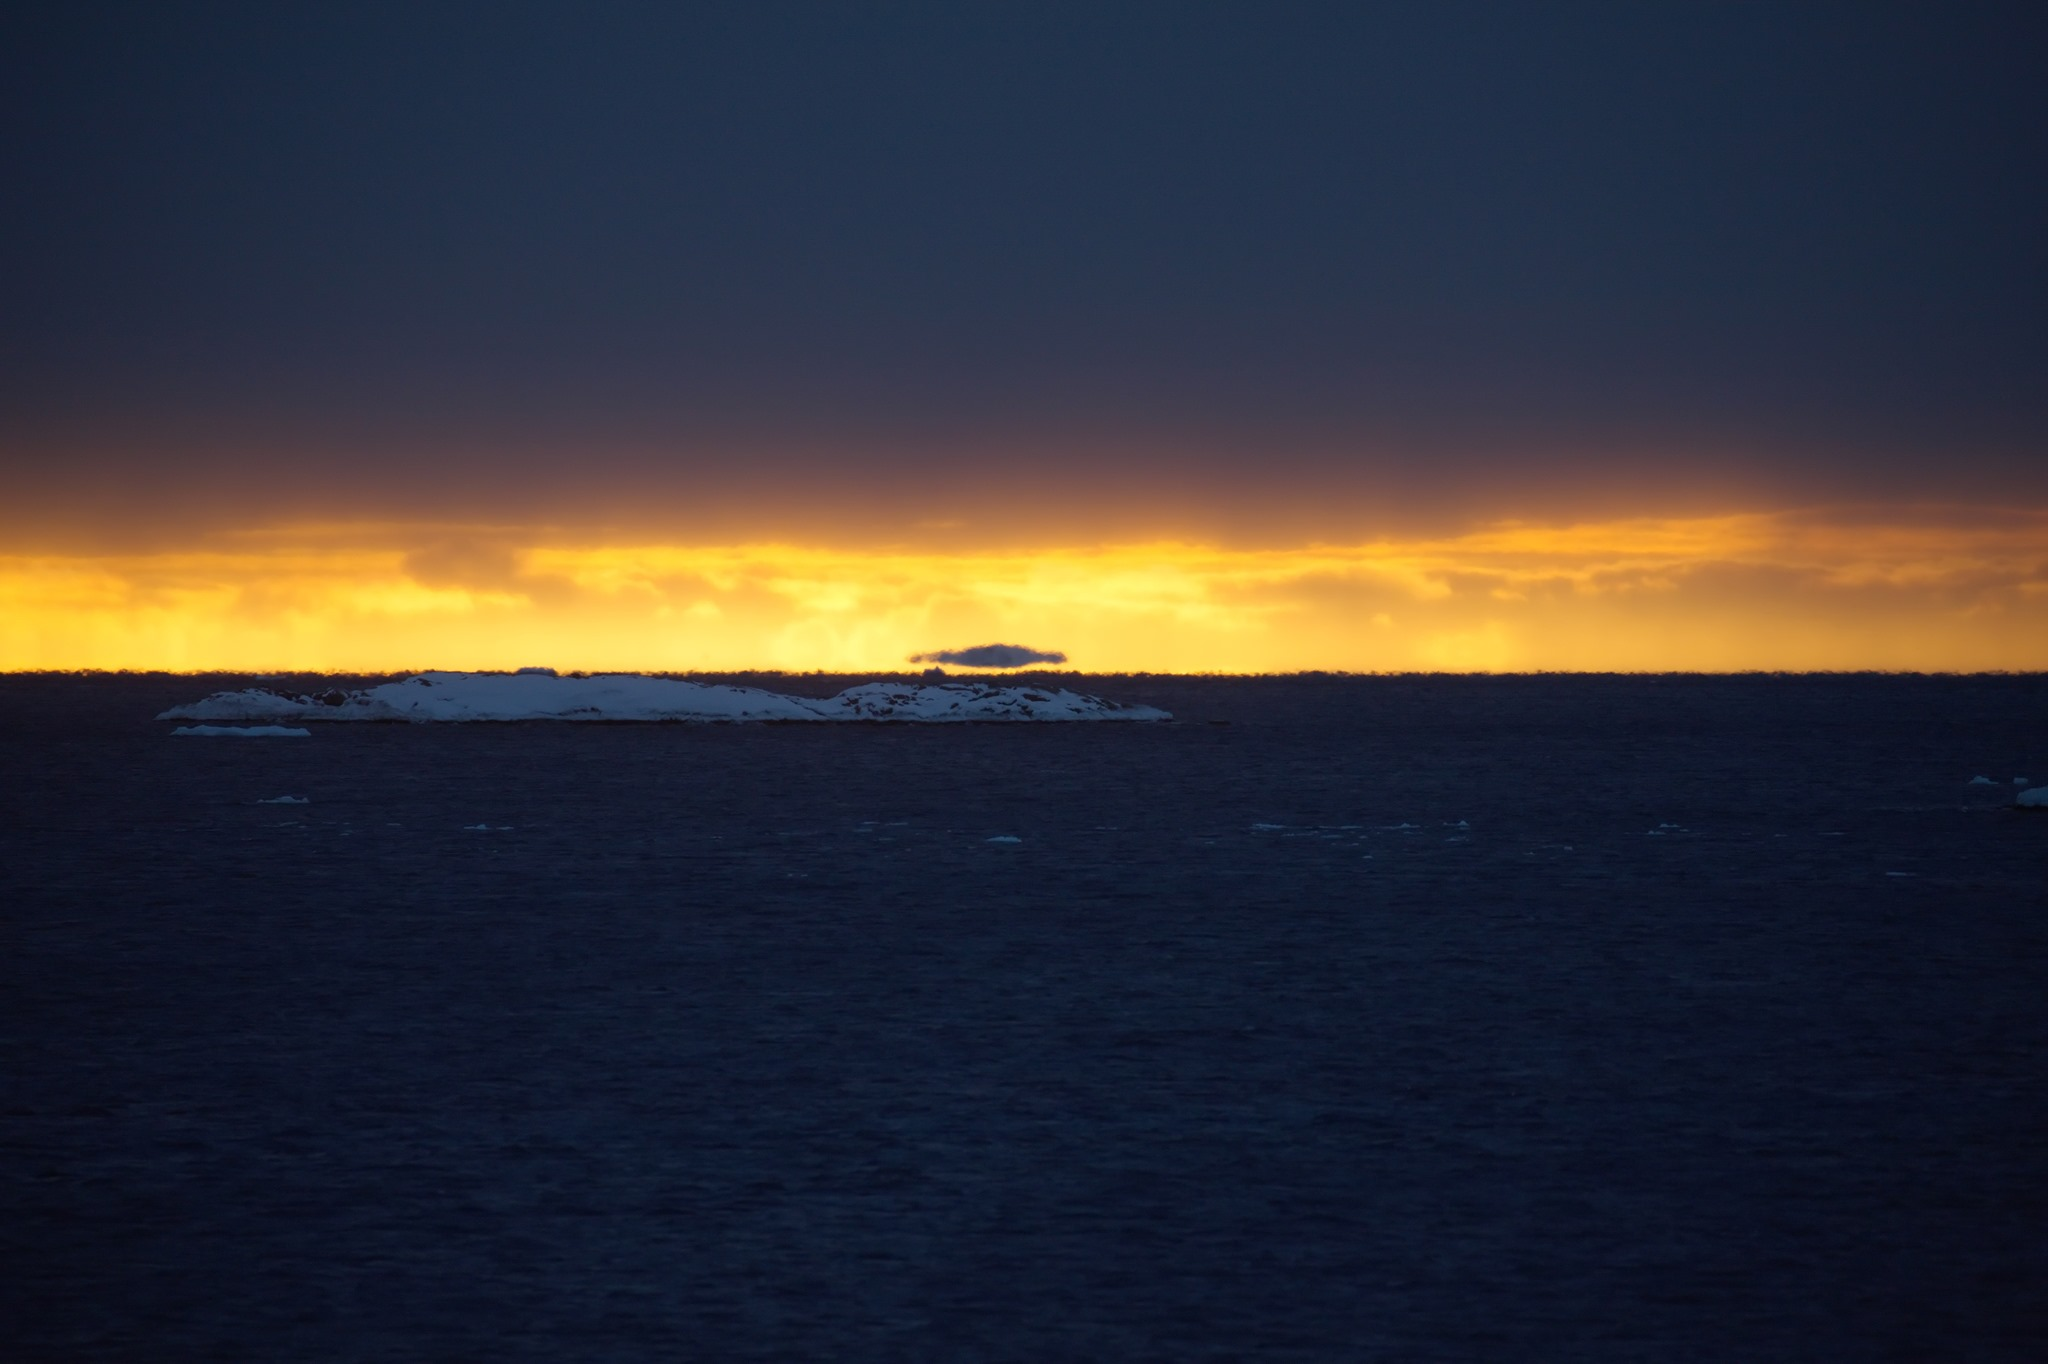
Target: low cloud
<point x="991" y="656"/>
<point x="1956" y="590"/>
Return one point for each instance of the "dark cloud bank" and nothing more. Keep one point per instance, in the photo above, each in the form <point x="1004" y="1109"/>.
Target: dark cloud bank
<point x="493" y="254"/>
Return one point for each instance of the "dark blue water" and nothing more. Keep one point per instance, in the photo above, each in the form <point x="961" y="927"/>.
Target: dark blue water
<point x="1588" y="1019"/>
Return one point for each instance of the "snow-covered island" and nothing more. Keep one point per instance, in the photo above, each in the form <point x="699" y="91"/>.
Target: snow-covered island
<point x="539" y="694"/>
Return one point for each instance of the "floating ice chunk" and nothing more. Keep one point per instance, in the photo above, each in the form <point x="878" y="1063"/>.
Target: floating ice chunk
<point x="1267" y="828"/>
<point x="254" y="704"/>
<point x="2019" y="781"/>
<point x="1982" y="781"/>
<point x="488" y="828"/>
<point x="2036" y="799"/>
<point x="971" y="701"/>
<point x="285" y="800"/>
<point x="533" y="694"/>
<point x="243" y="731"/>
<point x="510" y="696"/>
<point x="1003" y="838"/>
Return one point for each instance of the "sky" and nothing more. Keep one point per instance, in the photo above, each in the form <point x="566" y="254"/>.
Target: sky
<point x="1205" y="337"/>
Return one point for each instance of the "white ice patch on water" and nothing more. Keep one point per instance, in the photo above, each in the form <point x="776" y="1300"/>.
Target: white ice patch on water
<point x="285" y="800"/>
<point x="2036" y="799"/>
<point x="1982" y="781"/>
<point x="1003" y="838"/>
<point x="240" y="731"/>
<point x="488" y="828"/>
<point x="972" y="701"/>
<point x="534" y="694"/>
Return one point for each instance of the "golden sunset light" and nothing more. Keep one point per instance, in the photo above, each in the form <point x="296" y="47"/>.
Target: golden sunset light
<point x="1813" y="590"/>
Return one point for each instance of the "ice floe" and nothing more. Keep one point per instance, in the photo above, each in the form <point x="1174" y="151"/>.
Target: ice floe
<point x="1982" y="781"/>
<point x="285" y="800"/>
<point x="236" y="731"/>
<point x="954" y="701"/>
<point x="536" y="695"/>
<point x="2035" y="799"/>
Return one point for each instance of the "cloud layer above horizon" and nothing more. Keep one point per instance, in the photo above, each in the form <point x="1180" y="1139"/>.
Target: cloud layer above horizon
<point x="1856" y="588"/>
<point x="1190" y="337"/>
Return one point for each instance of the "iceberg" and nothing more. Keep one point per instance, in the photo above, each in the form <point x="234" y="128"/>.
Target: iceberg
<point x="237" y="731"/>
<point x="956" y="701"/>
<point x="535" y="695"/>
<point x="2035" y="799"/>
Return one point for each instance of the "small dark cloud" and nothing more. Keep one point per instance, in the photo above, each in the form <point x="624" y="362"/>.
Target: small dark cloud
<point x="991" y="656"/>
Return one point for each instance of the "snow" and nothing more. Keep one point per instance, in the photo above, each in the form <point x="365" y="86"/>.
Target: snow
<point x="536" y="695"/>
<point x="516" y="696"/>
<point x="238" y="731"/>
<point x="957" y="701"/>
<point x="2036" y="799"/>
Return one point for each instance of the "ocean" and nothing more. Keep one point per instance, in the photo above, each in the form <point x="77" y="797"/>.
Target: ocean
<point x="1408" y="1018"/>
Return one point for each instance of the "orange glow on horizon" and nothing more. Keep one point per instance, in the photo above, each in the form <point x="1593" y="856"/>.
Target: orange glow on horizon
<point x="1787" y="591"/>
